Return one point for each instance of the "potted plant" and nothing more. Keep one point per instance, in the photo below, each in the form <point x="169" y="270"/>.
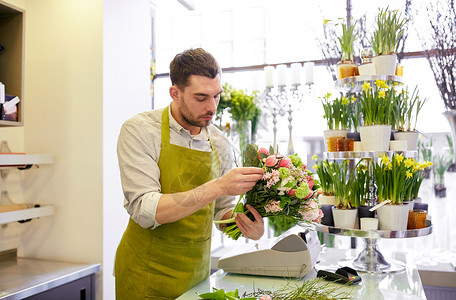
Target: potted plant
<point x="392" y="177"/>
<point x="243" y="109"/>
<point x="452" y="167"/>
<point x="345" y="211"/>
<point x="326" y="199"/>
<point x="360" y="187"/>
<point x="355" y="116"/>
<point x="407" y="108"/>
<point x="376" y="106"/>
<point x="425" y="154"/>
<point x="440" y="165"/>
<point x="346" y="66"/>
<point x="337" y="116"/>
<point x="389" y="28"/>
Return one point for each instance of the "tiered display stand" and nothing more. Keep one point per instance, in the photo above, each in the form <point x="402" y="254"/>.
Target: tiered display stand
<point x="370" y="259"/>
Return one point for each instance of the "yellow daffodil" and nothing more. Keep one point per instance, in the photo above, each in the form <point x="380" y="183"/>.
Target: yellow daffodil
<point x="385" y="159"/>
<point x="353" y="98"/>
<point x="381" y="84"/>
<point x="345" y="101"/>
<point x="408" y="174"/>
<point x="390" y="166"/>
<point x="409" y="162"/>
<point x="399" y="158"/>
<point x="366" y="86"/>
<point x="381" y="94"/>
<point x="325" y="21"/>
<point x="314" y="157"/>
<point x="315" y="167"/>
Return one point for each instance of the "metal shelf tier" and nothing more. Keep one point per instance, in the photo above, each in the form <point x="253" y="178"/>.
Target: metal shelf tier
<point x="354" y="83"/>
<point x="367" y="154"/>
<point x="370" y="259"/>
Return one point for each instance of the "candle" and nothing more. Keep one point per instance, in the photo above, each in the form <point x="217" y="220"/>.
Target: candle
<point x="282" y="75"/>
<point x="296" y="73"/>
<point x="308" y="68"/>
<point x="269" y="73"/>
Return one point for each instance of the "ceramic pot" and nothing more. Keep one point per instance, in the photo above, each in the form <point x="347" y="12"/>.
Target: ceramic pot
<point x="344" y="218"/>
<point x="410" y="136"/>
<point x="398" y="145"/>
<point x="354" y="135"/>
<point x="393" y="217"/>
<point x="363" y="212"/>
<point x="375" y="138"/>
<point x="368" y="69"/>
<point x="385" y="64"/>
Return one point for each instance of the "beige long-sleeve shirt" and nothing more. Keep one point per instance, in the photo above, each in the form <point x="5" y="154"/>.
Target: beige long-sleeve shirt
<point x="138" y="151"/>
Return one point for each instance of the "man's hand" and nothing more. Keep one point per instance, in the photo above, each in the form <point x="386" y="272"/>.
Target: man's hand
<point x="239" y="180"/>
<point x="250" y="229"/>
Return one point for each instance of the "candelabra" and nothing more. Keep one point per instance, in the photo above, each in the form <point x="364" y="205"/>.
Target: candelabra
<point x="281" y="102"/>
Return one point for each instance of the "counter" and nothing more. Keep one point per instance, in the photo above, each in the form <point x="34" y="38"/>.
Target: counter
<point x="404" y="285"/>
<point x="24" y="277"/>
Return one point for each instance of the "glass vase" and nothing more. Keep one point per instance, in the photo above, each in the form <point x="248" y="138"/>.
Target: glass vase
<point x="244" y="132"/>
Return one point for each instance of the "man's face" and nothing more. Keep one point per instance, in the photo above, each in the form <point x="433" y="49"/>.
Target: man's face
<point x="198" y="102"/>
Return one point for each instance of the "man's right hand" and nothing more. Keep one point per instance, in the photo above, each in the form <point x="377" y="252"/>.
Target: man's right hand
<point x="239" y="180"/>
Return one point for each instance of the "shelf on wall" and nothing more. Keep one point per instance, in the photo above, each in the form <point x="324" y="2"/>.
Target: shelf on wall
<point x="10" y="160"/>
<point x="25" y="214"/>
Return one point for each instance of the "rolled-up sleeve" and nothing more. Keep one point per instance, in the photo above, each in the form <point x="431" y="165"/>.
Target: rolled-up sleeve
<point x="140" y="174"/>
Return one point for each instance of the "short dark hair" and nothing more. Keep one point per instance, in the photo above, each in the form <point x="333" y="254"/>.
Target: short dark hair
<point x="192" y="62"/>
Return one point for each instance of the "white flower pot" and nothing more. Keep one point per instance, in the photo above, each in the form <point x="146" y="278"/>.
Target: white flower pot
<point x="398" y="145"/>
<point x="367" y="69"/>
<point x="385" y="64"/>
<point x="410" y="136"/>
<point x="375" y="138"/>
<point x="345" y="218"/>
<point x="393" y="217"/>
<point x="326" y="200"/>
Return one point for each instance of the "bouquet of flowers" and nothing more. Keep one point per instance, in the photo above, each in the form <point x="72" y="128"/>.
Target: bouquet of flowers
<point x="287" y="189"/>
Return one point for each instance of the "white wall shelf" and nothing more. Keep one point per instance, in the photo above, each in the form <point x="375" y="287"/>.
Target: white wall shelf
<point x="18" y="160"/>
<point x="25" y="214"/>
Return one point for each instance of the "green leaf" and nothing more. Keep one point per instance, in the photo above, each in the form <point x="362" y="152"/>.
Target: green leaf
<point x="239" y="208"/>
<point x="233" y="294"/>
<point x="217" y="295"/>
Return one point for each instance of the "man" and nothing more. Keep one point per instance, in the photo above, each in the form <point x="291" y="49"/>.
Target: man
<point x="177" y="176"/>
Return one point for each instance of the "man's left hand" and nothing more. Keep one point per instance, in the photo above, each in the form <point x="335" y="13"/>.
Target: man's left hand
<point x="250" y="229"/>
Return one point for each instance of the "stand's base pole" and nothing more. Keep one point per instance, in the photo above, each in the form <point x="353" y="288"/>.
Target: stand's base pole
<point x="371" y="260"/>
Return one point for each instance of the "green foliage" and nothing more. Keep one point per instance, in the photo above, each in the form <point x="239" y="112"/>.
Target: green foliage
<point x="281" y="224"/>
<point x="406" y="110"/>
<point x="219" y="294"/>
<point x="377" y="104"/>
<point x="324" y="178"/>
<point x="440" y="165"/>
<point x="389" y="28"/>
<point x="346" y="40"/>
<point x="450" y="145"/>
<point x="337" y="111"/>
<point x="311" y="289"/>
<point x="240" y="105"/>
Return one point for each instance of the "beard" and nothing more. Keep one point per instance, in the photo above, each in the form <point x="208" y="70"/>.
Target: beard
<point x="190" y="118"/>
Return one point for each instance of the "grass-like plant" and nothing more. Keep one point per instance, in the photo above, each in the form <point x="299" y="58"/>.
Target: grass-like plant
<point x="324" y="178"/>
<point x="346" y="40"/>
<point x="407" y="107"/>
<point x="377" y="103"/>
<point x="340" y="176"/>
<point x="390" y="26"/>
<point x="337" y="112"/>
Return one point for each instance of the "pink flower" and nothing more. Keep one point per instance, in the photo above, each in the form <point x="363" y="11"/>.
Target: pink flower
<point x="271" y="161"/>
<point x="273" y="206"/>
<point x="285" y="162"/>
<point x="271" y="178"/>
<point x="310" y="211"/>
<point x="265" y="297"/>
<point x="320" y="216"/>
<point x="292" y="193"/>
<point x="310" y="182"/>
<point x="262" y="150"/>
<point x="308" y="196"/>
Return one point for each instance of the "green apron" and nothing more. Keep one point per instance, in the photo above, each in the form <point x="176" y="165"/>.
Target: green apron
<point x="165" y="262"/>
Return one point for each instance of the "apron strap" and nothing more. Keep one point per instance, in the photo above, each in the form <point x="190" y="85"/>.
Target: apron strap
<point x="165" y="126"/>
